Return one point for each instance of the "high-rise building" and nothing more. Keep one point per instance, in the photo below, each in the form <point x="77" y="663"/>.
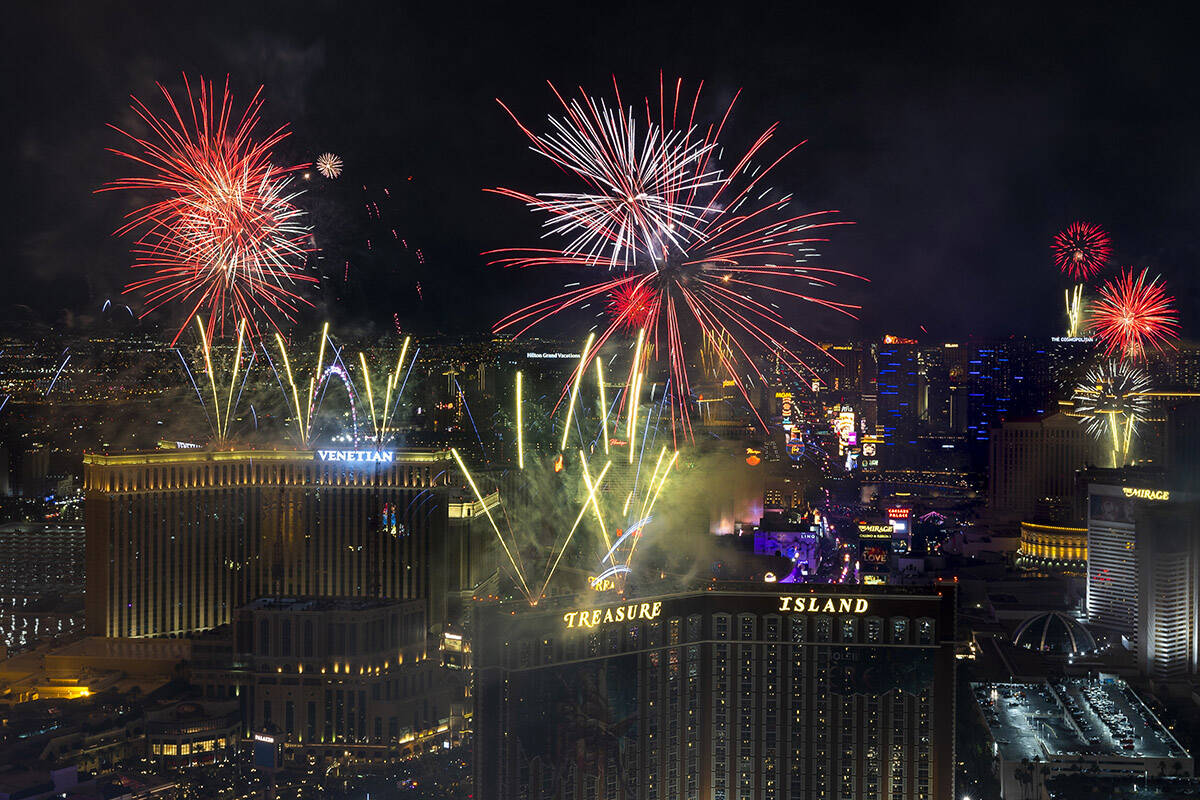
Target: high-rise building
<point x="1032" y="463"/>
<point x="897" y="402"/>
<point x="1112" y="563"/>
<point x="177" y="539"/>
<point x="1168" y="591"/>
<point x="743" y="691"/>
<point x="1144" y="572"/>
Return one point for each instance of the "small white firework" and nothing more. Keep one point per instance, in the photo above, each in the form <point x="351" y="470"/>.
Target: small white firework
<point x="329" y="165"/>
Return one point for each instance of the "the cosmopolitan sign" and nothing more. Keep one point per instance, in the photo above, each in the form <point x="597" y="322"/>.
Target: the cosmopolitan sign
<point x="357" y="456"/>
<point x="622" y="613"/>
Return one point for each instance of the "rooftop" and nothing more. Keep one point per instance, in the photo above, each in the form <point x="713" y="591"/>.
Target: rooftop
<point x="410" y="455"/>
<point x="1072" y="718"/>
<point x="297" y="604"/>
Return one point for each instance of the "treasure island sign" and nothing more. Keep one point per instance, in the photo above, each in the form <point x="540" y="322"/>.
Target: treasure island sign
<point x="631" y="612"/>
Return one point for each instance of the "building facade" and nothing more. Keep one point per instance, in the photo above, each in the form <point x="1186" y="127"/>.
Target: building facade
<point x="1056" y="548"/>
<point x="1144" y="573"/>
<point x="731" y="694"/>
<point x="1033" y="463"/>
<point x="330" y="676"/>
<point x="177" y="539"/>
<point x="1112" y="560"/>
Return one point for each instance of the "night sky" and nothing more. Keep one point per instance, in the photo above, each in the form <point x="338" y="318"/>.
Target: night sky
<point x="958" y="140"/>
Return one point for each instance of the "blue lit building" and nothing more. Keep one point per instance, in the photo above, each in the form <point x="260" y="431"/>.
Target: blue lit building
<point x="898" y="412"/>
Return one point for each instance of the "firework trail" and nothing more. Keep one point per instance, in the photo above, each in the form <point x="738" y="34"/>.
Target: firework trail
<point x="1112" y="399"/>
<point x="223" y="401"/>
<point x="1134" y="314"/>
<point x="54" y="380"/>
<point x="224" y="236"/>
<point x="610" y="494"/>
<point x="685" y="244"/>
<point x="303" y="400"/>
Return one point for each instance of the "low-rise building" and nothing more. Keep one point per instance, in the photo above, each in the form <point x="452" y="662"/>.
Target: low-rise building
<point x="1073" y="725"/>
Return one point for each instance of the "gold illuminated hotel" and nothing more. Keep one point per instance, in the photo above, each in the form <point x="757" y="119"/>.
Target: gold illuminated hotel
<point x="740" y="692"/>
<point x="1058" y="547"/>
<point x="177" y="539"/>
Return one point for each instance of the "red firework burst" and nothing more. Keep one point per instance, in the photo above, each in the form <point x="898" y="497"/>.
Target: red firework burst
<point x="1081" y="250"/>
<point x="706" y="250"/>
<point x="630" y="305"/>
<point x="1134" y="314"/>
<point x="224" y="236"/>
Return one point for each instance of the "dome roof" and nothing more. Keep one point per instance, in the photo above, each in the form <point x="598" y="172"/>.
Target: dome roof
<point x="1054" y="632"/>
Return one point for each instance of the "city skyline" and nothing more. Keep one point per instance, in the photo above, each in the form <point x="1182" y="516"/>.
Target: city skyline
<point x="638" y="402"/>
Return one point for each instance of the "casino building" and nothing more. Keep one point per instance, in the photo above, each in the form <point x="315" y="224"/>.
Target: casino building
<point x="741" y="692"/>
<point x="177" y="539"/>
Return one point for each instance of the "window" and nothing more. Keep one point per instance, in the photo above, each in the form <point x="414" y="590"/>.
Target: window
<point x="899" y="630"/>
<point x="925" y="630"/>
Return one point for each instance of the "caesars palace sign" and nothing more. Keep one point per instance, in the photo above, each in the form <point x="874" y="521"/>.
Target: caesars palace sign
<point x="794" y="604"/>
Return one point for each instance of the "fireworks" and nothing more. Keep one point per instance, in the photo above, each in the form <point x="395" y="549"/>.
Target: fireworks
<point x="329" y="165"/>
<point x="640" y="188"/>
<point x="1082" y="250"/>
<point x="616" y="496"/>
<point x="1112" y="400"/>
<point x="224" y="235"/>
<point x="630" y="305"/>
<point x="224" y="399"/>
<point x="1134" y="314"/>
<point x="303" y="400"/>
<point x="696" y="246"/>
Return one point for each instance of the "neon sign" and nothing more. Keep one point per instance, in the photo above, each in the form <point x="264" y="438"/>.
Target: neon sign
<point x="842" y="605"/>
<point x="1146" y="494"/>
<point x="357" y="456"/>
<point x="602" y="616"/>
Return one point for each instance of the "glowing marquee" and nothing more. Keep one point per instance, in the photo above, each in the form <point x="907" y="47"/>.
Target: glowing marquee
<point x="828" y="605"/>
<point x="602" y="616"/>
<point x="357" y="456"/>
<point x="1146" y="494"/>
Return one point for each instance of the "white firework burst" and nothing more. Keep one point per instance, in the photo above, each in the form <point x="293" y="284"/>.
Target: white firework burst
<point x="640" y="191"/>
<point x="329" y="165"/>
<point x="1112" y="399"/>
